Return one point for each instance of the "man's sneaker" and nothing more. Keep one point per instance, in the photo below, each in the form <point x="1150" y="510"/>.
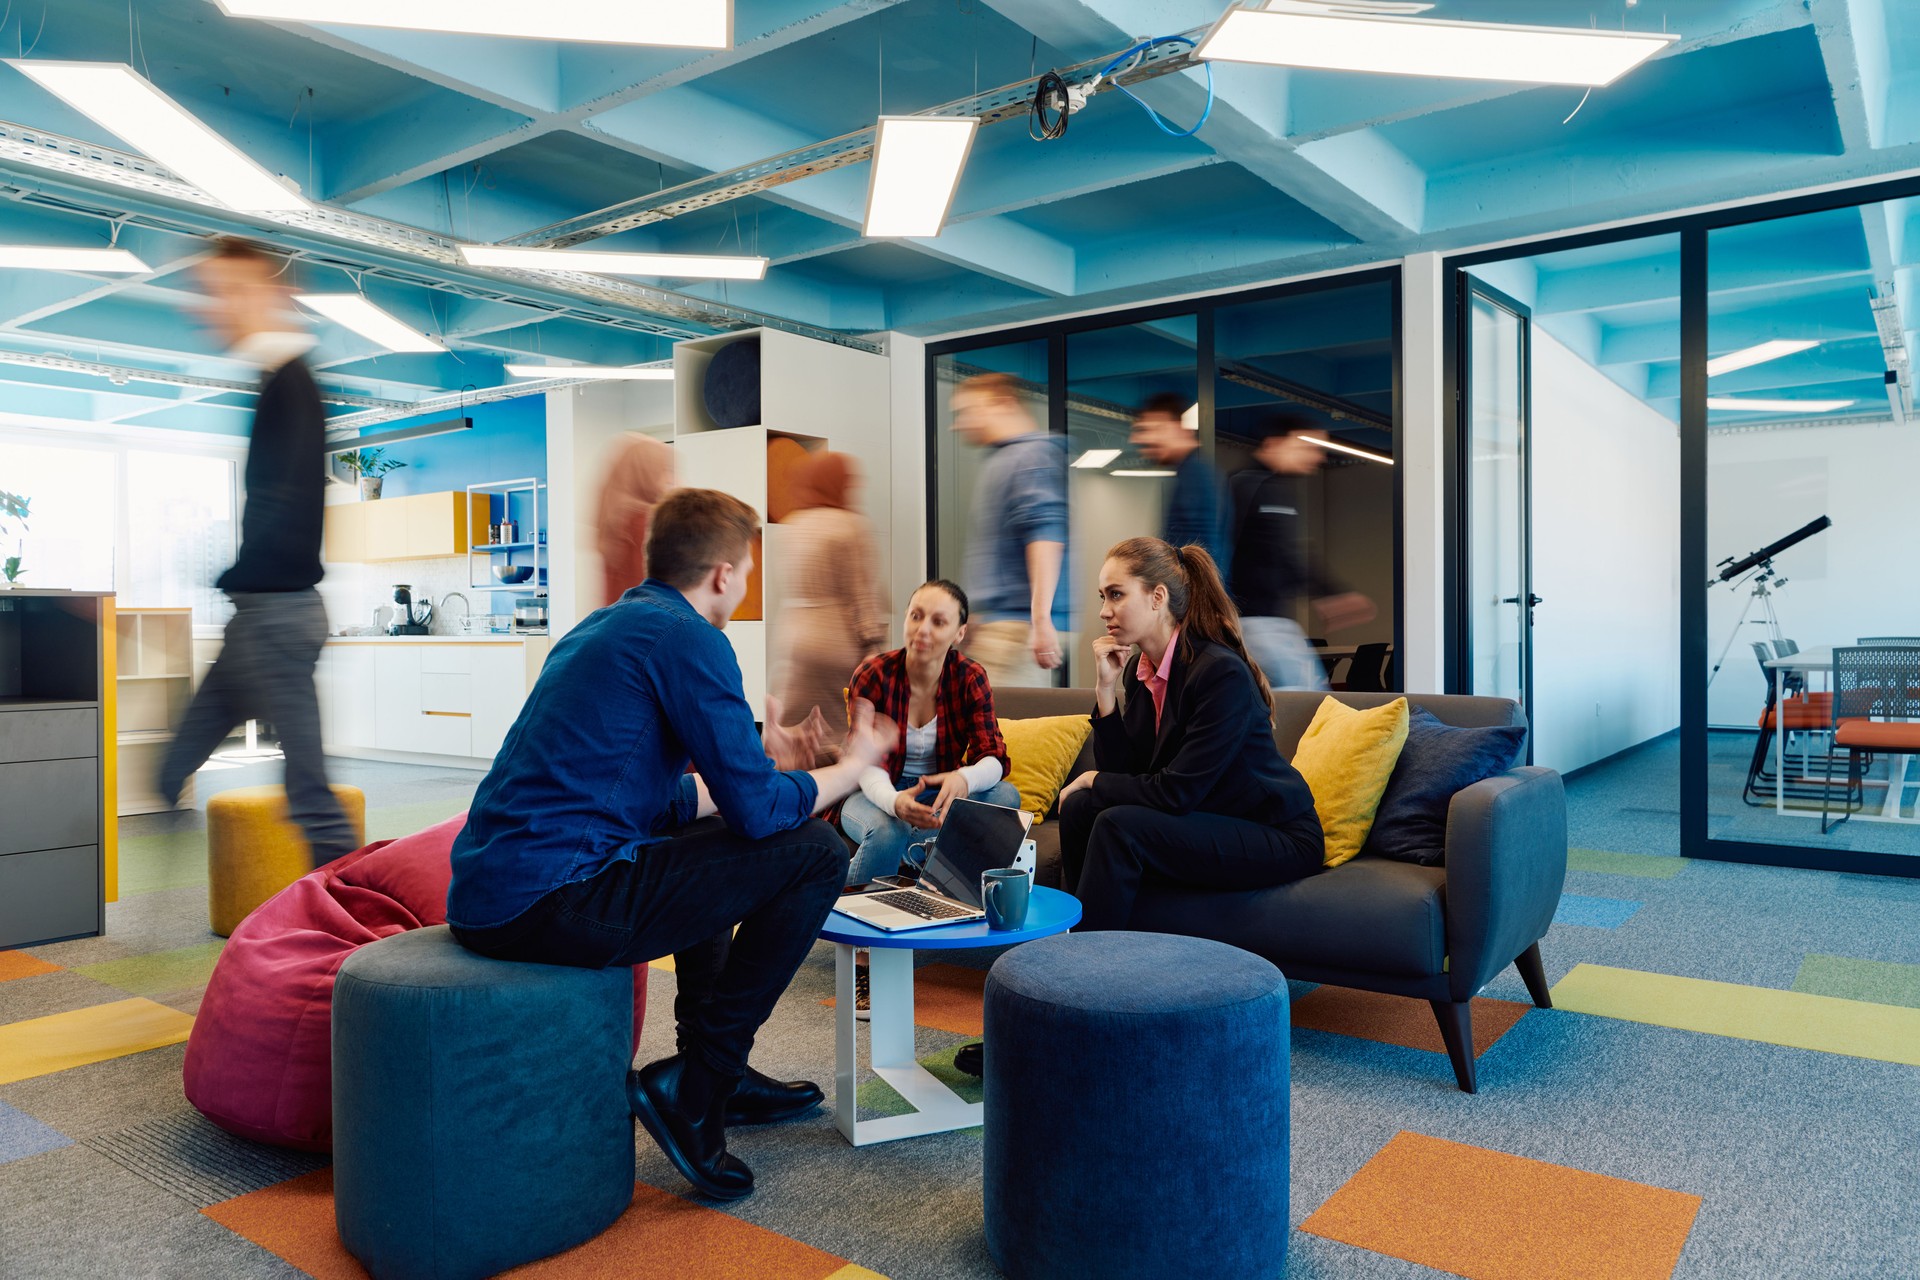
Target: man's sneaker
<point x="862" y="994"/>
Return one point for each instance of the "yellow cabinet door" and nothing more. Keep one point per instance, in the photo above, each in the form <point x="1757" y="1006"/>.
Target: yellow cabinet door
<point x="430" y="525"/>
<point x="387" y="528"/>
<point x="346" y="541"/>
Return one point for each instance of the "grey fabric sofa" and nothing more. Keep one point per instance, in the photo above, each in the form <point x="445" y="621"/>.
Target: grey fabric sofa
<point x="1437" y="934"/>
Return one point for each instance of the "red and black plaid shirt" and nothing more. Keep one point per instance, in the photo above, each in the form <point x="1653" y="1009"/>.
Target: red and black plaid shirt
<point x="968" y="733"/>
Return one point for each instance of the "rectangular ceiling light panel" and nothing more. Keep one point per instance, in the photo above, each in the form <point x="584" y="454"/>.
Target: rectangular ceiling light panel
<point x="917" y="161"/>
<point x="1756" y="404"/>
<point x="53" y="257"/>
<point x="1095" y="459"/>
<point x="1337" y="447"/>
<point x="351" y="311"/>
<point x="1747" y="357"/>
<point x="1305" y="37"/>
<point x="147" y="120"/>
<point x="689" y="24"/>
<point x="626" y="373"/>
<point x="690" y="266"/>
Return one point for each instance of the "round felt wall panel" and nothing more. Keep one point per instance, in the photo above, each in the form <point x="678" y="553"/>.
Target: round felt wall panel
<point x="733" y="384"/>
<point x="785" y="460"/>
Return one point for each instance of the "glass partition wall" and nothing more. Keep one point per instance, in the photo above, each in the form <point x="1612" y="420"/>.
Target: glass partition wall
<point x="1214" y="379"/>
<point x="1721" y="406"/>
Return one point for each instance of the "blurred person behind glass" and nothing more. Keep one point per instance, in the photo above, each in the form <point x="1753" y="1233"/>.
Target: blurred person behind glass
<point x="639" y="474"/>
<point x="1271" y="571"/>
<point x="1018" y="534"/>
<point x="273" y="640"/>
<point x="833" y="614"/>
<point x="1167" y="436"/>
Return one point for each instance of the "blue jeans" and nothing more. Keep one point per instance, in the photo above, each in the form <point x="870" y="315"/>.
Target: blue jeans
<point x="883" y="838"/>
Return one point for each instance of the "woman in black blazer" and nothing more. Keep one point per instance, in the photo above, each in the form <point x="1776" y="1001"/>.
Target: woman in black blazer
<point x="1190" y="785"/>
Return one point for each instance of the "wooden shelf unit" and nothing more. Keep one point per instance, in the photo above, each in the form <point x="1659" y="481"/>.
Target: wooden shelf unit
<point x="153" y="682"/>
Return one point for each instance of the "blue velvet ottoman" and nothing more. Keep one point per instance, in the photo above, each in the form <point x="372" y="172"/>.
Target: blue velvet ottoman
<point x="480" y="1113"/>
<point x="1136" y="1109"/>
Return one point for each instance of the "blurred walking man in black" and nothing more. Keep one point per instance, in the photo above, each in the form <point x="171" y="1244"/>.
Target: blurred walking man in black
<point x="265" y="668"/>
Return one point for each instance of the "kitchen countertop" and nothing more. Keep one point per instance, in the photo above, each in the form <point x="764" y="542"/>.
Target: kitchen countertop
<point x="519" y="638"/>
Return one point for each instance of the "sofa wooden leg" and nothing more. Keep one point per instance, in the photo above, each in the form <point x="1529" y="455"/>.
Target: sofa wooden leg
<point x="1535" y="976"/>
<point x="1456" y="1028"/>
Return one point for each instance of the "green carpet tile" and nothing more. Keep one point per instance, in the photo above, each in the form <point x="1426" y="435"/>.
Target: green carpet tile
<point x="1802" y="1158"/>
<point x="1875" y="981"/>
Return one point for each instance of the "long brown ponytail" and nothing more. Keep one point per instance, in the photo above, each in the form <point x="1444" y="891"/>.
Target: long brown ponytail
<point x="1195" y="594"/>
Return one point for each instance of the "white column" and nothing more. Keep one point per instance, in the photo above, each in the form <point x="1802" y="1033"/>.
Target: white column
<point x="1423" y="425"/>
<point x="910" y="463"/>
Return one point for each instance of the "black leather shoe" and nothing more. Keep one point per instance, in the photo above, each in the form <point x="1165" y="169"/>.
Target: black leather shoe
<point x="970" y="1059"/>
<point x="692" y="1136"/>
<point x="760" y="1099"/>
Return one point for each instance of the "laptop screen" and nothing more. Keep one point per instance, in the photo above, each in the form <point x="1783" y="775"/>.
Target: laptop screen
<point x="975" y="837"/>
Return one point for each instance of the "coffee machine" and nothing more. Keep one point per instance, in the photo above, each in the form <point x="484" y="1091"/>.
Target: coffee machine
<point x="407" y="624"/>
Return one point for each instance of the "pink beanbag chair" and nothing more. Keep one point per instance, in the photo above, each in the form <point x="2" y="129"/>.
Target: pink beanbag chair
<point x="260" y="1058"/>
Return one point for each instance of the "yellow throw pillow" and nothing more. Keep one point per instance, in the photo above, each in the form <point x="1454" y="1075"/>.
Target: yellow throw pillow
<point x="1346" y="756"/>
<point x="1042" y="751"/>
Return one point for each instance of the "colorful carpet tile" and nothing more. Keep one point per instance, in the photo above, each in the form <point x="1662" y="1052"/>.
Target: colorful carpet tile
<point x="1504" y="1217"/>
<point x="157" y="972"/>
<point x="947" y="998"/>
<point x="659" y="1237"/>
<point x="1888" y="1033"/>
<point x="1650" y="866"/>
<point x="1399" y="1020"/>
<point x="22" y="1136"/>
<point x="877" y="1099"/>
<point x="18" y="964"/>
<point x="1874" y="981"/>
<point x="41" y="1046"/>
<point x="1594" y="913"/>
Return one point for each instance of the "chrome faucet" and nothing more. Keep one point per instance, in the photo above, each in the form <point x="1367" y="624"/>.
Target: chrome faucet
<point x="466" y="608"/>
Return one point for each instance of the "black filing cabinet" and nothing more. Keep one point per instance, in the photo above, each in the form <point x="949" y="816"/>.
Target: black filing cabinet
<point x="52" y="802"/>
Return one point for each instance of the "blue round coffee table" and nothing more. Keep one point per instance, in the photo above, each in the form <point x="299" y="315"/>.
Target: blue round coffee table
<point x="937" y="1108"/>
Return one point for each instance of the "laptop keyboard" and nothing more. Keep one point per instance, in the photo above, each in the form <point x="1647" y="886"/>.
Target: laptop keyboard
<point x="923" y="905"/>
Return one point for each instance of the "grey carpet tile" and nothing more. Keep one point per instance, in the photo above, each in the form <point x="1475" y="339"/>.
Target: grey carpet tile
<point x="189" y="1156"/>
<point x="103" y="1097"/>
<point x="68" y="1202"/>
<point x="140" y="924"/>
<point x="45" y="994"/>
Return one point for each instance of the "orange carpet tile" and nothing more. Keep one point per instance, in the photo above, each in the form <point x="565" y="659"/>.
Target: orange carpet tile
<point x="1487" y="1215"/>
<point x="659" y="1237"/>
<point x="1399" y="1020"/>
<point x="946" y="997"/>
<point x="18" y="964"/>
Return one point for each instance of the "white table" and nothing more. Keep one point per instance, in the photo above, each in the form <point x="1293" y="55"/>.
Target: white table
<point x="937" y="1109"/>
<point x="1820" y="660"/>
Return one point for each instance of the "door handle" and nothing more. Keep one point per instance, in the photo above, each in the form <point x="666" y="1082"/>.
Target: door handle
<point x="1531" y="600"/>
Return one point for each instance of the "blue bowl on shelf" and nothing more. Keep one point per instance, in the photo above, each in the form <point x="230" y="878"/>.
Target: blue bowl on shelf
<point x="512" y="573"/>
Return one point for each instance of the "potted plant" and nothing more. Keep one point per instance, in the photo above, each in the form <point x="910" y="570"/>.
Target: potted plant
<point x="368" y="465"/>
<point x="13" y="506"/>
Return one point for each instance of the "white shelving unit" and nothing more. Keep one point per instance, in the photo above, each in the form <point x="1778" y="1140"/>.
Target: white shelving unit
<point x="533" y="543"/>
<point x="152" y="686"/>
<point x="818" y="394"/>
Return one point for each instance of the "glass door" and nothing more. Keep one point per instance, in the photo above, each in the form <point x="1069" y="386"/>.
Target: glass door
<point x="1499" y="589"/>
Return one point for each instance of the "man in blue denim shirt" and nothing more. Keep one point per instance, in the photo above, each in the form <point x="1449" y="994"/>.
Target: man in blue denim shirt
<point x="577" y="848"/>
<point x="1016" y="534"/>
<point x="1165" y="437"/>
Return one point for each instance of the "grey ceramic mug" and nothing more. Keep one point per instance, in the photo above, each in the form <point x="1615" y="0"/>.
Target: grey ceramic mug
<point x="1004" y="892"/>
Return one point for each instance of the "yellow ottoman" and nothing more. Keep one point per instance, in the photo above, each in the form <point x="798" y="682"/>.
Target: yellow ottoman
<point x="253" y="852"/>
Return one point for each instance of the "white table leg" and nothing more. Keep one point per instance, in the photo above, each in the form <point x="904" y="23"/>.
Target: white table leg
<point x="937" y="1108"/>
<point x="1779" y="743"/>
<point x="846" y="1043"/>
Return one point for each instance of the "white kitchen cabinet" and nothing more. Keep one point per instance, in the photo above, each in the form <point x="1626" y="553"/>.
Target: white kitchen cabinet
<point x="499" y="687"/>
<point x="426" y="697"/>
<point x="355" y="699"/>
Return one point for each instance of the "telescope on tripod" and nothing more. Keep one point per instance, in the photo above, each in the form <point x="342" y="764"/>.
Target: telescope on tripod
<point x="1766" y="581"/>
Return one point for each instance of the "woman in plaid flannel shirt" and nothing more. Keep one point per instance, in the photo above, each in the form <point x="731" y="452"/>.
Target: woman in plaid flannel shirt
<point x="949" y="744"/>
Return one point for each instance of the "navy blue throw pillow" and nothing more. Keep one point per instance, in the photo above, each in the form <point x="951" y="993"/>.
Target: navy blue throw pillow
<point x="1438" y="760"/>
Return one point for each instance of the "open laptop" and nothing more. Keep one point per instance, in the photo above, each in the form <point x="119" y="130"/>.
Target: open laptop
<point x="976" y="837"/>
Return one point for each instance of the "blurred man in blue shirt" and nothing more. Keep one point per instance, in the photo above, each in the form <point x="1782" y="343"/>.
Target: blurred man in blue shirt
<point x="1167" y="437"/>
<point x="578" y="848"/>
<point x="1016" y="534"/>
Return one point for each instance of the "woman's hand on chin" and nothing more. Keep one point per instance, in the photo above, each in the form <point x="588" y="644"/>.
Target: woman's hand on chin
<point x="1082" y="783"/>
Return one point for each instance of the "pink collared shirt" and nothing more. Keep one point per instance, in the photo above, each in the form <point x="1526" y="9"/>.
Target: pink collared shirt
<point x="1156" y="678"/>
